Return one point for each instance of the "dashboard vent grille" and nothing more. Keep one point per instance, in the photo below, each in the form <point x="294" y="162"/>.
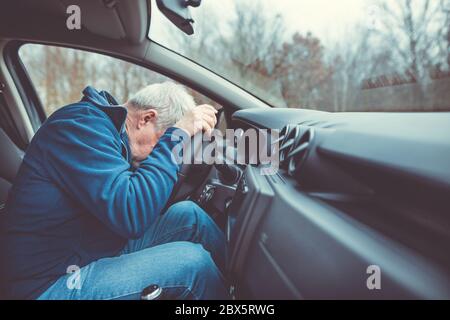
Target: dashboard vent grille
<point x="285" y="142"/>
<point x="294" y="143"/>
<point x="299" y="151"/>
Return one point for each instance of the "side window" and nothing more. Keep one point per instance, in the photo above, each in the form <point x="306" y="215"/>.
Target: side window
<point x="60" y="74"/>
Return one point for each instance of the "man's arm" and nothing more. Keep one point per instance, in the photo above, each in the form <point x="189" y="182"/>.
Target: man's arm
<point x="84" y="158"/>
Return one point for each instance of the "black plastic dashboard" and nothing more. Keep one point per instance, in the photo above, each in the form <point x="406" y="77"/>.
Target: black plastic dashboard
<point x="372" y="190"/>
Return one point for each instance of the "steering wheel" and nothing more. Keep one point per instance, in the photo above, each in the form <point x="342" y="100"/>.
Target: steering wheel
<point x="191" y="174"/>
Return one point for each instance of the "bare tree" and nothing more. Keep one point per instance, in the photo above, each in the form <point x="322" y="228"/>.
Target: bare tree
<point x="60" y="74"/>
<point x="352" y="61"/>
<point x="444" y="7"/>
<point x="302" y="72"/>
<point x="413" y="30"/>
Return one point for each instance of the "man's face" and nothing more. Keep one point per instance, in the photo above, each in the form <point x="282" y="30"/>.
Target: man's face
<point x="143" y="133"/>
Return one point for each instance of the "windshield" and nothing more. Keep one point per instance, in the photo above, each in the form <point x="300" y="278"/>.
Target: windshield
<point x="346" y="55"/>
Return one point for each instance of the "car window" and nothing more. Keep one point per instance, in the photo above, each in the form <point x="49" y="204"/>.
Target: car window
<point x="347" y="55"/>
<point x="60" y="74"/>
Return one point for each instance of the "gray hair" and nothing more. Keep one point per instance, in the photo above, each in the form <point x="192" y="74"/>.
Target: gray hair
<point x="170" y="100"/>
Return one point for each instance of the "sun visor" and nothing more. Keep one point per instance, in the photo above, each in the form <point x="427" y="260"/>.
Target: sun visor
<point x="114" y="19"/>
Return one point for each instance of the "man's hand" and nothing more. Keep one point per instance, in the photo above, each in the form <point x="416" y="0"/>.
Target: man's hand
<point x="200" y="118"/>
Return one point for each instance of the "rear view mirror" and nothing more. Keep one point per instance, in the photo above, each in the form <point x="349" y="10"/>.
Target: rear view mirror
<point x="177" y="11"/>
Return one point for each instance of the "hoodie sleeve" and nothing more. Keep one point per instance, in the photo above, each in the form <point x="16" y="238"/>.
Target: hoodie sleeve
<point x="83" y="157"/>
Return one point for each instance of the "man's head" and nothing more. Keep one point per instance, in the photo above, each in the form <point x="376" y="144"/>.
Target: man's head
<point x="150" y="112"/>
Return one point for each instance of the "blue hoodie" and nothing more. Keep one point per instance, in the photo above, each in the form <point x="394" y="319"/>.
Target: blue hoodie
<point x="76" y="198"/>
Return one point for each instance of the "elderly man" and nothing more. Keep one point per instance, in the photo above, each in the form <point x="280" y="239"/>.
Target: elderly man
<point x="84" y="216"/>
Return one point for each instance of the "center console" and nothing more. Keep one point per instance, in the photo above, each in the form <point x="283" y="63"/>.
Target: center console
<point x="251" y="201"/>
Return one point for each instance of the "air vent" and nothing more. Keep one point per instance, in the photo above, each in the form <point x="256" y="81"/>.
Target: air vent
<point x="299" y="150"/>
<point x="293" y="144"/>
<point x="286" y="140"/>
<point x="279" y="142"/>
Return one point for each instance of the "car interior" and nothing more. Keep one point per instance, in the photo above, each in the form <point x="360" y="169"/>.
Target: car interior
<point x="11" y="159"/>
<point x="354" y="189"/>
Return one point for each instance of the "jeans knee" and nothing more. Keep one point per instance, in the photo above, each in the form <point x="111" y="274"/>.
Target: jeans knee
<point x="184" y="206"/>
<point x="189" y="210"/>
<point x="204" y="279"/>
<point x="196" y="259"/>
<point x="205" y="230"/>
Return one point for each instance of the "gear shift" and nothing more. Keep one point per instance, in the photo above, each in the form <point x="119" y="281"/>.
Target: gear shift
<point x="229" y="174"/>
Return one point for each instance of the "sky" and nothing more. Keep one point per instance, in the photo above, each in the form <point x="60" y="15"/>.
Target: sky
<point x="327" y="19"/>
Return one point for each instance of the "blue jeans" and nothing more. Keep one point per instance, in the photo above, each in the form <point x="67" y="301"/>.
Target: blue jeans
<point x="183" y="252"/>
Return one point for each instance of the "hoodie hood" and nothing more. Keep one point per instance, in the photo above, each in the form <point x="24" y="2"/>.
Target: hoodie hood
<point x="108" y="104"/>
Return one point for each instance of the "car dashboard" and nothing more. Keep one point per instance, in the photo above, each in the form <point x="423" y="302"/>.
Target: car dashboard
<point x="358" y="195"/>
